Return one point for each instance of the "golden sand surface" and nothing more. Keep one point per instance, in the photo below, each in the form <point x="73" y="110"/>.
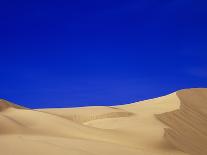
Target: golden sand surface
<point x="175" y="124"/>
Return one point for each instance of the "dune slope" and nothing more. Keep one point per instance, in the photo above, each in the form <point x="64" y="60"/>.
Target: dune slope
<point x="188" y="125"/>
<point x="170" y="125"/>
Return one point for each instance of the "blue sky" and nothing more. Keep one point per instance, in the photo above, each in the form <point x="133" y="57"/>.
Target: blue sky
<point x="100" y="52"/>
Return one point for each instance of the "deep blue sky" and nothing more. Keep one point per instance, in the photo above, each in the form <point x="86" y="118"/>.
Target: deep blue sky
<point x="57" y="53"/>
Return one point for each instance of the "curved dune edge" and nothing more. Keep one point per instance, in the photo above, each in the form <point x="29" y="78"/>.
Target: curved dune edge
<point x="86" y="114"/>
<point x="188" y="125"/>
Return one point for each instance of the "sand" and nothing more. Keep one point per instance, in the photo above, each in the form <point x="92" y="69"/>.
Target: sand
<point x="175" y="124"/>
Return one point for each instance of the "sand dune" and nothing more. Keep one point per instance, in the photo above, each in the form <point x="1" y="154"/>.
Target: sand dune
<point x="175" y="124"/>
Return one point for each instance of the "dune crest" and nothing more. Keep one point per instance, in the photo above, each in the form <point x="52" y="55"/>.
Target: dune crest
<point x="6" y="104"/>
<point x="174" y="124"/>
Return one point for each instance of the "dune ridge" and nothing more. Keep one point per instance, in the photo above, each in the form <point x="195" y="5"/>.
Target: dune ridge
<point x="175" y="124"/>
<point x="6" y="104"/>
